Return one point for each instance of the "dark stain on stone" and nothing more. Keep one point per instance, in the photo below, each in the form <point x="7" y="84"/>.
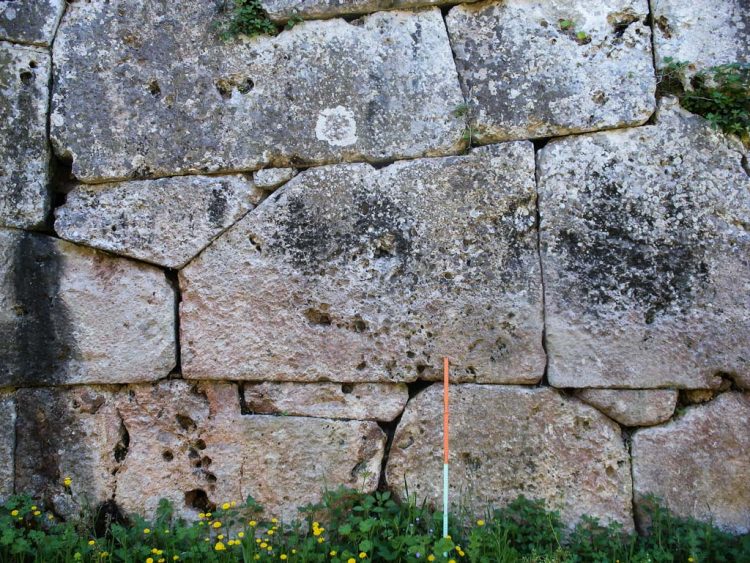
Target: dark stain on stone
<point x="38" y="342"/>
<point x="217" y="207"/>
<point x="621" y="259"/>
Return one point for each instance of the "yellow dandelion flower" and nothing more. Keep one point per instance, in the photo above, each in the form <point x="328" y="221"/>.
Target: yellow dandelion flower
<point x="155" y="551"/>
<point x="33" y="507"/>
<point x="317" y="531"/>
<point x="233" y="503"/>
<point x="252" y="523"/>
<point x="216" y="524"/>
<point x="257" y="540"/>
<point x="161" y="560"/>
<point x="146" y="531"/>
<point x="270" y="532"/>
<point x="202" y="515"/>
<point x="219" y="546"/>
<point x="50" y="517"/>
<point x="283" y="557"/>
<point x="332" y="553"/>
<point x="321" y="540"/>
<point x="67" y="481"/>
<point x="14" y="513"/>
<point x="430" y="557"/>
<point x="362" y="555"/>
<point x="220" y="536"/>
<point x="452" y="561"/>
<point x="480" y="523"/>
<point x="225" y="506"/>
<point x="37" y="513"/>
<point x="274" y="520"/>
<point x="241" y="535"/>
<point x="294" y="551"/>
<point x="175" y="558"/>
<point x="351" y="560"/>
<point x="92" y="542"/>
<point x="104" y="554"/>
<point x="263" y="545"/>
<point x="150" y="560"/>
<point x="256" y="557"/>
<point x="208" y="515"/>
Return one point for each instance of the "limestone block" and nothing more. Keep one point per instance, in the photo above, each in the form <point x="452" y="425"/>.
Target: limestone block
<point x="192" y="445"/>
<point x="272" y="178"/>
<point x="73" y="315"/>
<point x="283" y="10"/>
<point x="166" y="221"/>
<point x="68" y="432"/>
<point x="704" y="33"/>
<point x="645" y="248"/>
<point x="363" y="401"/>
<point x="30" y="21"/>
<point x="699" y="464"/>
<point x="633" y="407"/>
<point x="7" y="443"/>
<point x="536" y="68"/>
<point x="24" y="150"/>
<point x="509" y="441"/>
<point x="181" y="100"/>
<point x="356" y="274"/>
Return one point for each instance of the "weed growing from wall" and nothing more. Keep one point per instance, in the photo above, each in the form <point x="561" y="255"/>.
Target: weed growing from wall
<point x="721" y="94"/>
<point x="246" y="17"/>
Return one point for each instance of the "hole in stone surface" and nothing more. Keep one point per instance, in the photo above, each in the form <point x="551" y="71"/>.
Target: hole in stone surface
<point x="167" y="455"/>
<point x="26" y="76"/>
<point x="317" y="317"/>
<point x="198" y="499"/>
<point x="361" y="365"/>
<point x="32" y="64"/>
<point x="153" y="88"/>
<point x="206" y="461"/>
<point x="210" y="477"/>
<point x="246" y="86"/>
<point x="123" y="445"/>
<point x="347" y="388"/>
<point x="200" y="444"/>
<point x="224" y="87"/>
<point x="185" y="422"/>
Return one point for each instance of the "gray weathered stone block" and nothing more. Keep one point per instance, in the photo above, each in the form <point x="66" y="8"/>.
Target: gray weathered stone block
<point x="526" y="77"/>
<point x="180" y="100"/>
<point x="282" y="10"/>
<point x="166" y="221"/>
<point x="73" y="315"/>
<point x="645" y="249"/>
<point x="699" y="464"/>
<point x="24" y="150"/>
<point x="702" y="32"/>
<point x="511" y="441"/>
<point x="351" y="273"/>
<point x="633" y="407"/>
<point x="30" y="21"/>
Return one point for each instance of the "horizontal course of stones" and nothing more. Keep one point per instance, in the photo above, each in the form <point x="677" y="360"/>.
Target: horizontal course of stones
<point x="264" y="247"/>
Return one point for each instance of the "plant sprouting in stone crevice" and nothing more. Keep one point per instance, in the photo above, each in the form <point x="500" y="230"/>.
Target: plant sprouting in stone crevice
<point x="244" y="17"/>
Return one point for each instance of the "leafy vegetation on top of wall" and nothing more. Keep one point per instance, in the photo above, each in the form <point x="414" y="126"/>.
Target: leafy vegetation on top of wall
<point x="246" y="17"/>
<point x="351" y="527"/>
<point x="720" y="93"/>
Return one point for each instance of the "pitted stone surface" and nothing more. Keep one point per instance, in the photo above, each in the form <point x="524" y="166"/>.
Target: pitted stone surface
<point x="181" y="100"/>
<point x="7" y="443"/>
<point x="508" y="441"/>
<point x="699" y="464"/>
<point x="363" y="401"/>
<point x="24" y="151"/>
<point x="526" y="77"/>
<point x="646" y="255"/>
<point x="166" y="221"/>
<point x="282" y="10"/>
<point x="272" y="178"/>
<point x="184" y="440"/>
<point x="68" y="432"/>
<point x="633" y="407"/>
<point x="704" y="33"/>
<point x="354" y="274"/>
<point x="73" y="315"/>
<point x="30" y="21"/>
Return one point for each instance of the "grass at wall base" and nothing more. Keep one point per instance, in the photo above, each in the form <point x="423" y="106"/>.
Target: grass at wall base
<point x="351" y="527"/>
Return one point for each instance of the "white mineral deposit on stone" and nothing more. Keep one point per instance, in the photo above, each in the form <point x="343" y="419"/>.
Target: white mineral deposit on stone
<point x="336" y="126"/>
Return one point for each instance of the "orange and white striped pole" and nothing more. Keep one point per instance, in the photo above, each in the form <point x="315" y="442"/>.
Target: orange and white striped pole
<point x="446" y="370"/>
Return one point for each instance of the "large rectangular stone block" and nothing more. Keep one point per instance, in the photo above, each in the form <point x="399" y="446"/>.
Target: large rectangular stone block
<point x="147" y="88"/>
<point x="351" y="273"/>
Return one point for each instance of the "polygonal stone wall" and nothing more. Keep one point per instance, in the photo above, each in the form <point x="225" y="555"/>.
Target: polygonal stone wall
<point x="233" y="268"/>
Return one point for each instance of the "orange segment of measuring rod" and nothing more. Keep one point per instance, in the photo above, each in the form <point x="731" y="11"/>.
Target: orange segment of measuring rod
<point x="445" y="410"/>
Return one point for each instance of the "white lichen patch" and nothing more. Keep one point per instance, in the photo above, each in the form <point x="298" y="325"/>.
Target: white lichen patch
<point x="336" y="126"/>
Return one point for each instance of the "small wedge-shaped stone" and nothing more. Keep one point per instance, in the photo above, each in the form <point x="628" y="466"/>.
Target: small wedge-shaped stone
<point x="194" y="447"/>
<point x="362" y="401"/>
<point x="511" y="441"/>
<point x="7" y="443"/>
<point x="645" y="248"/>
<point x="24" y="150"/>
<point x="30" y="21"/>
<point x="699" y="464"/>
<point x="633" y="407"/>
<point x="533" y="68"/>
<point x="74" y="315"/>
<point x="166" y="221"/>
<point x="181" y="100"/>
<point x="703" y="33"/>
<point x="283" y="10"/>
<point x="272" y="178"/>
<point x="71" y="433"/>
<point x="350" y="273"/>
